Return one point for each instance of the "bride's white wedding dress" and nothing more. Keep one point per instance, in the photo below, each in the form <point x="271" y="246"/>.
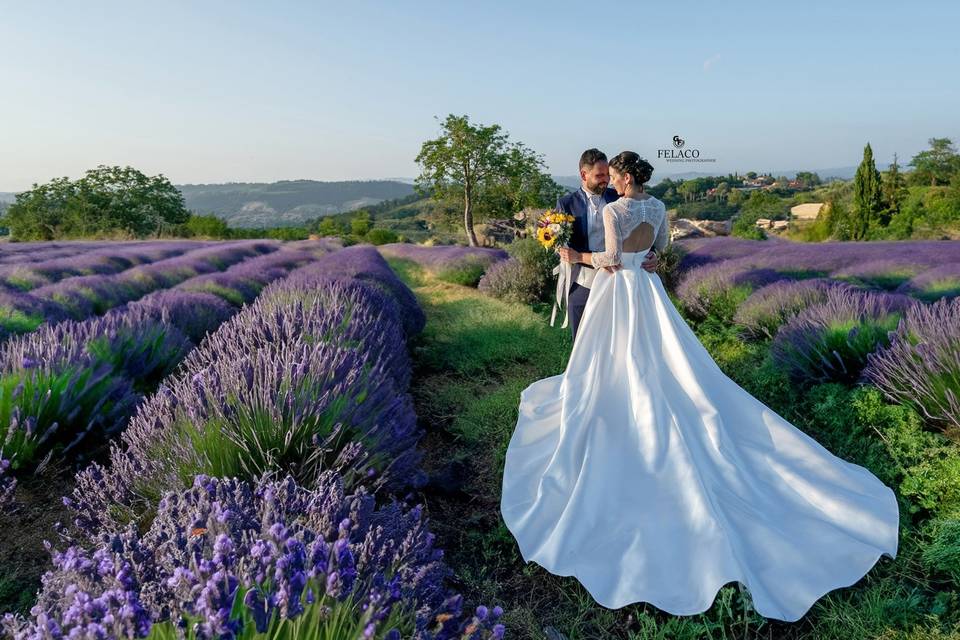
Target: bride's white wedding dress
<point x="647" y="473"/>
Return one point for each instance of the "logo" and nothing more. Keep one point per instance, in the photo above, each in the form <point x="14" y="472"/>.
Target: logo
<point x="679" y="154"/>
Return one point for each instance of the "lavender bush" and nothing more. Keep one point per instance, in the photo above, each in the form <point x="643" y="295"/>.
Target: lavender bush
<point x="451" y="263"/>
<point x="227" y="559"/>
<point x="311" y="376"/>
<point x="242" y="282"/>
<point x="830" y="341"/>
<point x="195" y="314"/>
<point x="85" y="296"/>
<point x="884" y="273"/>
<point x="921" y="366"/>
<point x="65" y="382"/>
<point x="719" y="288"/>
<point x="22" y="312"/>
<point x="364" y="263"/>
<point x="933" y="284"/>
<point x="769" y="307"/>
<point x="105" y="259"/>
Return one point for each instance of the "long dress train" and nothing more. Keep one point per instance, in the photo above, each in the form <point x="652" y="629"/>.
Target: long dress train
<point x="649" y="475"/>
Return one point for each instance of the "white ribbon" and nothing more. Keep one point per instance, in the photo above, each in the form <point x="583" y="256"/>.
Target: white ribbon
<point x="562" y="299"/>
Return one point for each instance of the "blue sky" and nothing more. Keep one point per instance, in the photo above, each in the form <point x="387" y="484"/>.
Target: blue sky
<point x="257" y="91"/>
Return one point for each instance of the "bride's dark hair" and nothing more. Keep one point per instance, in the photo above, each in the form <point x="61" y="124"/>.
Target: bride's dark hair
<point x="632" y="163"/>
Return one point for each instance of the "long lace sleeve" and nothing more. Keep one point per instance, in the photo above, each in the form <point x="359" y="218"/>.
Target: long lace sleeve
<point x="663" y="234"/>
<point x="612" y="241"/>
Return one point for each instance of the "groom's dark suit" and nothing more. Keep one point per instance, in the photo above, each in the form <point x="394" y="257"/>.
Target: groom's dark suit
<point x="575" y="203"/>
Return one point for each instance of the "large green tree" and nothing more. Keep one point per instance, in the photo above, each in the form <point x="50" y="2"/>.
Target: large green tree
<point x="937" y="164"/>
<point x="479" y="165"/>
<point x="894" y="189"/>
<point x="867" y="196"/>
<point x="105" y="201"/>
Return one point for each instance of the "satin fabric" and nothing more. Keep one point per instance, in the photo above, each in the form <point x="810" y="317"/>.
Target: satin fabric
<point x="649" y="475"/>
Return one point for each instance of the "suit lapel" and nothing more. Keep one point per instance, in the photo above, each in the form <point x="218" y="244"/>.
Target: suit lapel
<point x="584" y="210"/>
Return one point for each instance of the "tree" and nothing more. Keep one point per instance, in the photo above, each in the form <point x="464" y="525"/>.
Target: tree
<point x="894" y="190"/>
<point x="479" y="166"/>
<point x="360" y="223"/>
<point x="867" y="197"/>
<point x="209" y="226"/>
<point x="938" y="163"/>
<point x="106" y="200"/>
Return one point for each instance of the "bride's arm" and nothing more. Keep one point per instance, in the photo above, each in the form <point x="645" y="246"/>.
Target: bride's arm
<point x="612" y="242"/>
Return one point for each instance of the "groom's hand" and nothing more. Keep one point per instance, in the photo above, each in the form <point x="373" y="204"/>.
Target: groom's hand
<point x="650" y="262"/>
<point x="569" y="255"/>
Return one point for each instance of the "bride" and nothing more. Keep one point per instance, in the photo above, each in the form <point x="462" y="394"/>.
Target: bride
<point x="649" y="475"/>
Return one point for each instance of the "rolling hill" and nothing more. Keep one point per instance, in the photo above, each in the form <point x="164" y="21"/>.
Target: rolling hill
<point x="288" y="202"/>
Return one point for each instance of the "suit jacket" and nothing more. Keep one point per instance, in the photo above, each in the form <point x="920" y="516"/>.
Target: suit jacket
<point x="575" y="203"/>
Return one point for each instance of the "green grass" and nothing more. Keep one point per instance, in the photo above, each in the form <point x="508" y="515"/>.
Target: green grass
<point x="14" y="321"/>
<point x="477" y="354"/>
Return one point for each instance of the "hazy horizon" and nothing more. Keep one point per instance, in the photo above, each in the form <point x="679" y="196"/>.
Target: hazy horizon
<point x="240" y="92"/>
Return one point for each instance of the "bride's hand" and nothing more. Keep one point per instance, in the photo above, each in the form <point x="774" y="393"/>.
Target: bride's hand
<point x="569" y="255"/>
<point x="614" y="267"/>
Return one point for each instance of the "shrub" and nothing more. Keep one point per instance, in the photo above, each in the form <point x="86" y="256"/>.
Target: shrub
<point x="311" y="376"/>
<point x="227" y="558"/>
<point x="769" y="307"/>
<point x="527" y="276"/>
<point x="830" y="341"/>
<point x="718" y="289"/>
<point x="921" y="366"/>
<point x="381" y="236"/>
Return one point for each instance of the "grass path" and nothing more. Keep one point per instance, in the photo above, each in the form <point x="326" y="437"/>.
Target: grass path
<point x="473" y="359"/>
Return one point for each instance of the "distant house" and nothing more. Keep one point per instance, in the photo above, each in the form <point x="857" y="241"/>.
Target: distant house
<point x="807" y="211"/>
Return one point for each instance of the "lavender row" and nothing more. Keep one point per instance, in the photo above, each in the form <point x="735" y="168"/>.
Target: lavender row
<point x="312" y="375"/>
<point x="310" y="380"/>
<point x="81" y="297"/>
<point x="26" y="252"/>
<point x="84" y="296"/>
<point x="102" y="259"/>
<point x="96" y="369"/>
<point x="443" y="256"/>
<point x="227" y="558"/>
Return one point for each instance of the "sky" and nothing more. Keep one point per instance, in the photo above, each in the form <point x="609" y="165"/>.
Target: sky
<point x="206" y="92"/>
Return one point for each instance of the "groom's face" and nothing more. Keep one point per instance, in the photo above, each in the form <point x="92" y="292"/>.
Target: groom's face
<point x="595" y="177"/>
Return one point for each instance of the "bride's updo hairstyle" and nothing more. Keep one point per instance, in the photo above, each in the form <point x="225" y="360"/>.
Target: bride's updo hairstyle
<point x="632" y="163"/>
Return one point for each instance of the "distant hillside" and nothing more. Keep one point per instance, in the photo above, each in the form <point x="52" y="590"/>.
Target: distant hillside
<point x="288" y="202"/>
<point x="6" y="196"/>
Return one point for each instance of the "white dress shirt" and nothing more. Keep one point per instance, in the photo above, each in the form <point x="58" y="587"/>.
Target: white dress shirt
<point x="595" y="205"/>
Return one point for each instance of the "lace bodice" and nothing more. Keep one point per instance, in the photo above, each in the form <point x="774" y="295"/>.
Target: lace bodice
<point x="620" y="218"/>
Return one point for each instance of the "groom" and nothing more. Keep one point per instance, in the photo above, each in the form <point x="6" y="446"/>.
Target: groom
<point x="585" y="205"/>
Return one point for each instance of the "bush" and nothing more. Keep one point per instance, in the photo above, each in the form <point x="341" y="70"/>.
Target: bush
<point x="921" y="367"/>
<point x="830" y="341"/>
<point x="381" y="236"/>
<point x="527" y="276"/>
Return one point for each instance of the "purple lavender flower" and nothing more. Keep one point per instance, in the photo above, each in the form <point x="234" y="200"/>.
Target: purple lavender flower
<point x="830" y="341"/>
<point x="264" y="545"/>
<point x="769" y="307"/>
<point x="317" y="365"/>
<point x="935" y="283"/>
<point x="921" y="366"/>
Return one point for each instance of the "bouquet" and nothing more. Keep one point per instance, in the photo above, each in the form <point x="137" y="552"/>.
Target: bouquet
<point x="554" y="229"/>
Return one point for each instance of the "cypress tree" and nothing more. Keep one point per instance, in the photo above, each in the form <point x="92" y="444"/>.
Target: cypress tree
<point x="867" y="197"/>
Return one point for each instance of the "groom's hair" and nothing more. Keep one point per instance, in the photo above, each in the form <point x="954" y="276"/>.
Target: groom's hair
<point x="591" y="157"/>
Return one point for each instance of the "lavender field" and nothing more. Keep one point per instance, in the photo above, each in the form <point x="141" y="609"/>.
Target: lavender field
<point x="300" y="440"/>
<point x="228" y="434"/>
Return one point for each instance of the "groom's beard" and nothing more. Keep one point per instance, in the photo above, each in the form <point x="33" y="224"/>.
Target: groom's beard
<point x="596" y="188"/>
